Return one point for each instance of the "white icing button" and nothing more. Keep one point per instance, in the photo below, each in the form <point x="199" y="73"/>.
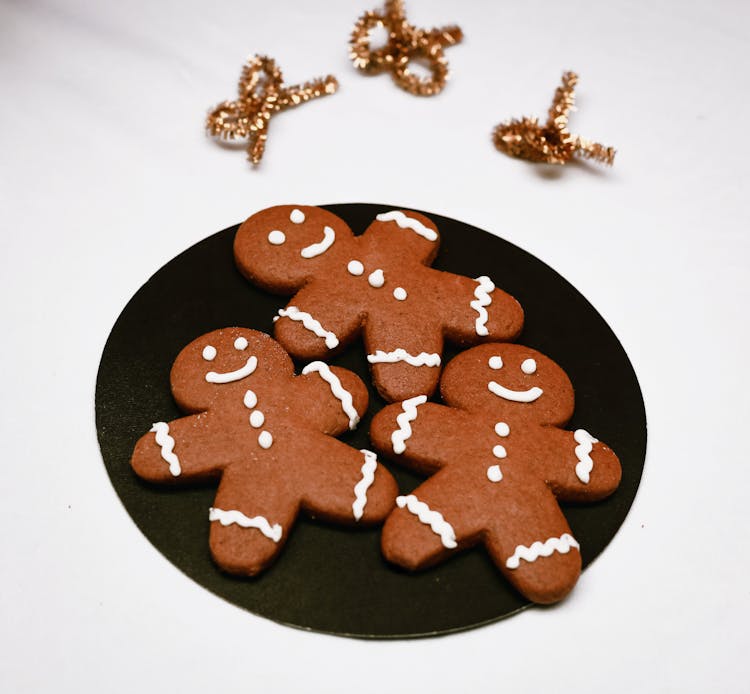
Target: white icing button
<point x="528" y="366"/>
<point x="399" y="293"/>
<point x="499" y="451"/>
<point x="494" y="474"/>
<point x="276" y="237"/>
<point x="502" y="429"/>
<point x="250" y="399"/>
<point x="265" y="439"/>
<point x="496" y="363"/>
<point x="376" y="278"/>
<point x="297" y="216"/>
<point x="209" y="352"/>
<point x="355" y="268"/>
<point x="256" y="419"/>
<point x="240" y="343"/>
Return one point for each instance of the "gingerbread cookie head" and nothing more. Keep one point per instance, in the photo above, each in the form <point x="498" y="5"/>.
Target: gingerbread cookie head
<point x="509" y="380"/>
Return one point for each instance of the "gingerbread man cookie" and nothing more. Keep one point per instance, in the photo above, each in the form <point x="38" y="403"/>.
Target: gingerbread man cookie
<point x="500" y="461"/>
<point x="379" y="284"/>
<point x="267" y="435"/>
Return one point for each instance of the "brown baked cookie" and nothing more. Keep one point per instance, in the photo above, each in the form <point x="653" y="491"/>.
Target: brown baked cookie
<point x="379" y="284"/>
<point x="499" y="462"/>
<point x="267" y="435"/>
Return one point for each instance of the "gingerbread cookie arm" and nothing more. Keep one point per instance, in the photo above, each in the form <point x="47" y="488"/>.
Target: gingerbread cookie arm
<point x="577" y="466"/>
<point x="191" y="448"/>
<point x="251" y="518"/>
<point x="475" y="310"/>
<point x="342" y="484"/>
<point x="420" y="435"/>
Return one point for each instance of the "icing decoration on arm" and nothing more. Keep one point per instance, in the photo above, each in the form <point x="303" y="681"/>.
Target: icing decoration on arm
<point x="272" y="532"/>
<point x="230" y="376"/>
<point x="240" y="343"/>
<point x="297" y="216"/>
<point x="562" y="544"/>
<point x="368" y="477"/>
<point x="256" y="419"/>
<point x="434" y="519"/>
<point x="250" y="399"/>
<point x="421" y="359"/>
<point x="409" y="414"/>
<point x="585" y="445"/>
<point x="309" y="323"/>
<point x="265" y="440"/>
<point x="515" y="395"/>
<point x="166" y="442"/>
<point x="528" y="366"/>
<point x="315" y="249"/>
<point x="209" y="352"/>
<point x="408" y="223"/>
<point x="338" y="391"/>
<point x="276" y="237"/>
<point x="483" y="298"/>
<point x="494" y="474"/>
<point x="376" y="278"/>
<point x="355" y="268"/>
<point x="399" y="293"/>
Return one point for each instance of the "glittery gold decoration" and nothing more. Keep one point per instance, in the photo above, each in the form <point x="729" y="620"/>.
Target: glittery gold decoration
<point x="261" y="94"/>
<point x="551" y="143"/>
<point x="405" y="43"/>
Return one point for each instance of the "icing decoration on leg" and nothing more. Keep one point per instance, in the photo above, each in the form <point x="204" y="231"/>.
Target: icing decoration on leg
<point x="339" y="392"/>
<point x="482" y="293"/>
<point x="397" y="355"/>
<point x="272" y="532"/>
<point x="583" y="450"/>
<point x="426" y="515"/>
<point x="408" y="223"/>
<point x="166" y="442"/>
<point x="409" y="414"/>
<point x="309" y="323"/>
<point x="360" y="489"/>
<point x="562" y="544"/>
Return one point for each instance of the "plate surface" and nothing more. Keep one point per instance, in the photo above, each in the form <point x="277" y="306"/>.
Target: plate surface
<point x="333" y="579"/>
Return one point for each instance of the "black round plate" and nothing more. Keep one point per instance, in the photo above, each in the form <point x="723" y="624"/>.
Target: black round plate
<point x="327" y="578"/>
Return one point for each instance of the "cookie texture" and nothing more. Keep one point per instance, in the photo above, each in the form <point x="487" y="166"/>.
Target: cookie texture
<point x="378" y="285"/>
<point x="267" y="436"/>
<point x="498" y="461"/>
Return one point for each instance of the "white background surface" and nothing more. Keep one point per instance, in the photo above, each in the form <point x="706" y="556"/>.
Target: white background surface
<point x="105" y="174"/>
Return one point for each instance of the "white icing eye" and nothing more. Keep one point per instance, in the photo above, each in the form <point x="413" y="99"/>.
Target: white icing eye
<point x="528" y="366"/>
<point x="499" y="451"/>
<point x="502" y="429"/>
<point x="355" y="268"/>
<point x="276" y="237"/>
<point x="209" y="352"/>
<point x="297" y="216"/>
<point x="496" y="363"/>
<point x="250" y="399"/>
<point x="376" y="278"/>
<point x="256" y="419"/>
<point x="240" y="343"/>
<point x="399" y="293"/>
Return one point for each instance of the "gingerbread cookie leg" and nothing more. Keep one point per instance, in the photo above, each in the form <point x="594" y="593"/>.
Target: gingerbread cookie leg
<point x="345" y="485"/>
<point x="250" y="520"/>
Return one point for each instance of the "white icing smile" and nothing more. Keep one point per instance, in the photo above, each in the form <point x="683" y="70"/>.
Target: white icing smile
<point x="230" y="376"/>
<point x="315" y="249"/>
<point x="514" y="395"/>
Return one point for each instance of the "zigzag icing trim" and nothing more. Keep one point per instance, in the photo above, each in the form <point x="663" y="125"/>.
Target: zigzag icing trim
<point x="409" y="414"/>
<point x="585" y="445"/>
<point x="483" y="298"/>
<point x="272" y="532"/>
<point x="339" y="392"/>
<point x="368" y="477"/>
<point x="421" y="359"/>
<point x="308" y="322"/>
<point x="562" y="544"/>
<point x="434" y="519"/>
<point x="166" y="442"/>
<point x="408" y="223"/>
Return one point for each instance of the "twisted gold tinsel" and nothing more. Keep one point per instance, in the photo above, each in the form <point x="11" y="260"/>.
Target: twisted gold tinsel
<point x="551" y="143"/>
<point x="405" y="42"/>
<point x="261" y="94"/>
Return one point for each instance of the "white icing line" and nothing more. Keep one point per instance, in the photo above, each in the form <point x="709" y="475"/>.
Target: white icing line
<point x="368" y="477"/>
<point x="514" y="395"/>
<point x="434" y="519"/>
<point x="483" y="298"/>
<point x="339" y="392"/>
<point x="585" y="445"/>
<point x="272" y="532"/>
<point x="409" y="414"/>
<point x="250" y="365"/>
<point x="314" y="249"/>
<point x="166" y="442"/>
<point x="421" y="359"/>
<point x="309" y="323"/>
<point x="408" y="223"/>
<point x="562" y="544"/>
